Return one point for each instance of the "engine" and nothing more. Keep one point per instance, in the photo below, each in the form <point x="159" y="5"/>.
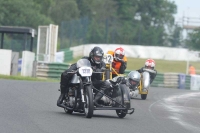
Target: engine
<point x="106" y="100"/>
<point x="70" y="101"/>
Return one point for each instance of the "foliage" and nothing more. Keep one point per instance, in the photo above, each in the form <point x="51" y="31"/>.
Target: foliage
<point x="193" y="41"/>
<point x="21" y="13"/>
<point x="176" y="38"/>
<point x="141" y="22"/>
<point x="64" y="10"/>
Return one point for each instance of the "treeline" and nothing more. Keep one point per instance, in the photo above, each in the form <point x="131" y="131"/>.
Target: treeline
<point x="134" y="22"/>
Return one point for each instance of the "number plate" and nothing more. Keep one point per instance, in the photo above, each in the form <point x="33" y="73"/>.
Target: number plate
<point x="108" y="58"/>
<point x="85" y="71"/>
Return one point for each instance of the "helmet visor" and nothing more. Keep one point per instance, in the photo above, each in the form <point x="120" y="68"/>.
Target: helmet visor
<point x="133" y="82"/>
<point x="149" y="67"/>
<point x="119" y="56"/>
<point x="97" y="58"/>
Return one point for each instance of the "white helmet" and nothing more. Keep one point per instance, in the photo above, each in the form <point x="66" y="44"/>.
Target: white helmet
<point x="150" y="64"/>
<point x="119" y="54"/>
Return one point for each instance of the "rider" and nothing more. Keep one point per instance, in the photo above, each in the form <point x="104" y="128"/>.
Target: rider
<point x="95" y="58"/>
<point x="149" y="64"/>
<point x="132" y="80"/>
<point x="120" y="61"/>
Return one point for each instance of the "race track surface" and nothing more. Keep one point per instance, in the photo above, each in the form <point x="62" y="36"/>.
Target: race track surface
<point x="30" y="107"/>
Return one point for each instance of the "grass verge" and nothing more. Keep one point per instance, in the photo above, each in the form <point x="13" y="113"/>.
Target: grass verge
<point x="162" y="66"/>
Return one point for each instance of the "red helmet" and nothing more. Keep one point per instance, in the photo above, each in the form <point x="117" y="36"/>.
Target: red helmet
<point x="150" y="64"/>
<point x="119" y="54"/>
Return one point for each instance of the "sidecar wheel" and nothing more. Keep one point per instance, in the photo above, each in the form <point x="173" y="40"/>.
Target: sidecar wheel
<point x="143" y="96"/>
<point x="68" y="111"/>
<point x="88" y="105"/>
<point x="121" y="113"/>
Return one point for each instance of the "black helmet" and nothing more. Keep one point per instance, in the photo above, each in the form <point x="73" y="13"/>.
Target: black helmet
<point x="96" y="55"/>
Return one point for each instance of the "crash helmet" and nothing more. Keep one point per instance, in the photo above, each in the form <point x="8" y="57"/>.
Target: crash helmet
<point x="150" y="64"/>
<point x="96" y="55"/>
<point x="133" y="79"/>
<point x="119" y="54"/>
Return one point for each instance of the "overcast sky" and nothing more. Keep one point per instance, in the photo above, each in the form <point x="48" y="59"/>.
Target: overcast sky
<point x="188" y="8"/>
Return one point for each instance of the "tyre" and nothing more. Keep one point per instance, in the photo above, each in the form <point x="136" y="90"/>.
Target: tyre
<point x="143" y="96"/>
<point x="88" y="105"/>
<point x="121" y="113"/>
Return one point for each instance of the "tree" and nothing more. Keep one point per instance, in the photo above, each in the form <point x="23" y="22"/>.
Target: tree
<point x="193" y="40"/>
<point x="46" y="6"/>
<point x="21" y="13"/>
<point x="64" y="10"/>
<point x="156" y="19"/>
<point x="176" y="36"/>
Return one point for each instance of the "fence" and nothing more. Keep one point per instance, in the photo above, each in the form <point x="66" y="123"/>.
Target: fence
<point x="169" y="80"/>
<point x="50" y="70"/>
<point x="68" y="55"/>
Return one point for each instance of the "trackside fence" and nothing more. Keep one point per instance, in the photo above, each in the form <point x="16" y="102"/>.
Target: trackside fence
<point x="168" y="80"/>
<point x="50" y="70"/>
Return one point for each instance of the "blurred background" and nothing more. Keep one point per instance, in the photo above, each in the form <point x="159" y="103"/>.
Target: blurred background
<point x="132" y="22"/>
<point x="169" y="23"/>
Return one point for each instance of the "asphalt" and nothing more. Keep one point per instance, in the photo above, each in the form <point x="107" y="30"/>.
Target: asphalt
<point x="30" y="107"/>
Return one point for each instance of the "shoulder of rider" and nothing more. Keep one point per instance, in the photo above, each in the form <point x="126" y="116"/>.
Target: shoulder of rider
<point x="122" y="61"/>
<point x="103" y="64"/>
<point x="85" y="57"/>
<point x="140" y="70"/>
<point x="155" y="71"/>
<point x="125" y="59"/>
<point x="110" y="52"/>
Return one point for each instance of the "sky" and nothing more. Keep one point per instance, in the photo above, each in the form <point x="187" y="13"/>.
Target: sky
<point x="188" y="8"/>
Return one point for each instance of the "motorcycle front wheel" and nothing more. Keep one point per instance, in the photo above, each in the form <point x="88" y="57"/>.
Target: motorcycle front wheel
<point x="88" y="105"/>
<point x="121" y="113"/>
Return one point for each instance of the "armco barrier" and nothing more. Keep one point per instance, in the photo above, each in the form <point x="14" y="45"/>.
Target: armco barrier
<point x="68" y="55"/>
<point x="51" y="70"/>
<point x="187" y="82"/>
<point x="158" y="81"/>
<point x="169" y="80"/>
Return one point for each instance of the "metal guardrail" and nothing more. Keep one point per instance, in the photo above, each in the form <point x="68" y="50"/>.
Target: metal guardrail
<point x="169" y="80"/>
<point x="50" y="70"/>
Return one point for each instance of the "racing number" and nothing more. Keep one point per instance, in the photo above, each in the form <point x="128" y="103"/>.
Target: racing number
<point x="109" y="58"/>
<point x="86" y="71"/>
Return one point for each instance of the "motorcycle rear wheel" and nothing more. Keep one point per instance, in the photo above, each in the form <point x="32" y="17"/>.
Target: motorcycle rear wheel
<point x="88" y="105"/>
<point x="121" y="113"/>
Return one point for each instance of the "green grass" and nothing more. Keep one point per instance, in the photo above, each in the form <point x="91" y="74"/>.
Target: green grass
<point x="26" y="78"/>
<point x="162" y="66"/>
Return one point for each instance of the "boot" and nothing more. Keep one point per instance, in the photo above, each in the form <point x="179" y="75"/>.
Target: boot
<point x="64" y="90"/>
<point x="97" y="98"/>
<point x="60" y="101"/>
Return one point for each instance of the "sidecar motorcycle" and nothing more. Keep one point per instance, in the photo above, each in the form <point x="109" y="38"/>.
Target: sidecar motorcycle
<point x="143" y="86"/>
<point x="81" y="94"/>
